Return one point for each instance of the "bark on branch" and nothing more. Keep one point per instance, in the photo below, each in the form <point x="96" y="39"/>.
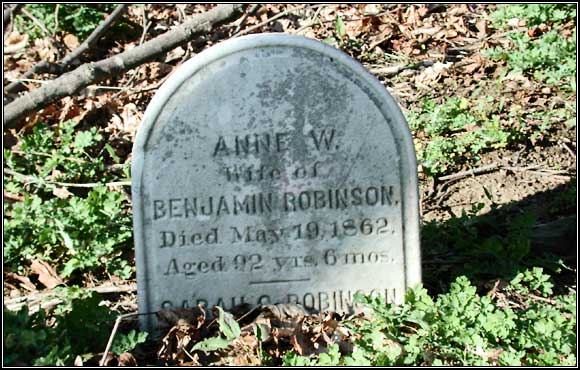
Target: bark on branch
<point x="58" y="68"/>
<point x="9" y="13"/>
<point x="87" y="74"/>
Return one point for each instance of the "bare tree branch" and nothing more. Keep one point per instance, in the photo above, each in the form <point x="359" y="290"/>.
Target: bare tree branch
<point x="72" y="82"/>
<point x="58" y="68"/>
<point x="9" y="13"/>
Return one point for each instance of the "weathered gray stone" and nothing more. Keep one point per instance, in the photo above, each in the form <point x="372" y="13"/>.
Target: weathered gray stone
<point x="273" y="168"/>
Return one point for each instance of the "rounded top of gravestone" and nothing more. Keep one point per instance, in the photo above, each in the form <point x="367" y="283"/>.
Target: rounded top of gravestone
<point x="260" y="42"/>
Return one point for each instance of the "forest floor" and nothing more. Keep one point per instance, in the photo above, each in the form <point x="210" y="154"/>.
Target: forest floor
<point x="490" y="97"/>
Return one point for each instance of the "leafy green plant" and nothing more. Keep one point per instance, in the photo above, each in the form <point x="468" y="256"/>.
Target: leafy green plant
<point x="79" y="326"/>
<point x="455" y="132"/>
<point x="78" y="19"/>
<point x="228" y="326"/>
<point x="549" y="58"/>
<point x="534" y="14"/>
<point x="458" y="328"/>
<point x="78" y="231"/>
<point x="127" y="342"/>
<point x="533" y="280"/>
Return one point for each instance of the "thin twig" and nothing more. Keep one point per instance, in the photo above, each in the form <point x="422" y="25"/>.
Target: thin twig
<point x="38" y="300"/>
<point x="440" y="197"/>
<point x="271" y="19"/>
<point x="56" y="8"/>
<point x="181" y="12"/>
<point x="252" y="10"/>
<point x="59" y="67"/>
<point x="12" y="12"/>
<point x="475" y="171"/>
<point x="145" y="25"/>
<point x="9" y="14"/>
<point x="542" y="299"/>
<point x="103" y="289"/>
<point x="35" y="20"/>
<point x="563" y="144"/>
<point x="112" y="336"/>
<point x="78" y="160"/>
<point x="18" y="80"/>
<point x="390" y="71"/>
<point x="145" y="89"/>
<point x="63" y="184"/>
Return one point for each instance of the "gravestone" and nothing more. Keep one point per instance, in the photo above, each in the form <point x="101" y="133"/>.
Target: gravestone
<point x="273" y="169"/>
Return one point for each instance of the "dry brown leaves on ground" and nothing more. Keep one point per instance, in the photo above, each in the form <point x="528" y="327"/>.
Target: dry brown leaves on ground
<point x="265" y="334"/>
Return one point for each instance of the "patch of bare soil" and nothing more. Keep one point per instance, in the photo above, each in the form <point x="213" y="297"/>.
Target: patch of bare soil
<point x="520" y="174"/>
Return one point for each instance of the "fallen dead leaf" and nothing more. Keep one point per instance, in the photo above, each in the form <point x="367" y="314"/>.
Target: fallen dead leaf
<point x="24" y="281"/>
<point x="46" y="274"/>
<point x="61" y="193"/>
<point x="131" y="117"/>
<point x="46" y="50"/>
<point x="15" y="42"/>
<point x="481" y="26"/>
<point x="431" y="74"/>
<point x="70" y="109"/>
<point x="71" y="41"/>
<point x="127" y="359"/>
<point x="78" y="361"/>
<point x="175" y="54"/>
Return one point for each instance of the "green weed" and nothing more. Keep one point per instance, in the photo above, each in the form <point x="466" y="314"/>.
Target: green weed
<point x="77" y="19"/>
<point x="228" y="326"/>
<point x="459" y="328"/>
<point x="127" y="342"/>
<point x="549" y="58"/>
<point x="534" y="14"/>
<point x="79" y="326"/>
<point x="80" y="232"/>
<point x="455" y="132"/>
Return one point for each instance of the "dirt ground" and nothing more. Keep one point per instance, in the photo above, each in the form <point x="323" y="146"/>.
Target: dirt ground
<point x="500" y="186"/>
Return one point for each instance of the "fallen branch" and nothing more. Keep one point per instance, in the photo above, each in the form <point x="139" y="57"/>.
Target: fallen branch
<point x="33" y="299"/>
<point x="497" y="166"/>
<point x="9" y="14"/>
<point x="272" y="19"/>
<point x="72" y="82"/>
<point x="390" y="71"/>
<point x="475" y="171"/>
<point x="58" y="68"/>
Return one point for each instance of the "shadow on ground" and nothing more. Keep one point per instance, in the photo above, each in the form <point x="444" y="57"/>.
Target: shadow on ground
<point x="538" y="231"/>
